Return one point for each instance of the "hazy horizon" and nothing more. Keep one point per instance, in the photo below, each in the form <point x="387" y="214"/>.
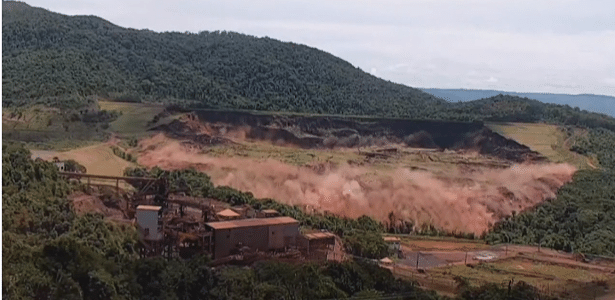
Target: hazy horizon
<point x="480" y="90"/>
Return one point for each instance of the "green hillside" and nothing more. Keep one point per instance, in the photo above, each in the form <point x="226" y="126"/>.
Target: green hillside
<point x="508" y="108"/>
<point x="56" y="60"/>
<point x="46" y="54"/>
<point x="580" y="218"/>
<point x="596" y="103"/>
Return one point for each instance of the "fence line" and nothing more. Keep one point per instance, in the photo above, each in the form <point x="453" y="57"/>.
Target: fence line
<point x="562" y="291"/>
<point x="478" y="240"/>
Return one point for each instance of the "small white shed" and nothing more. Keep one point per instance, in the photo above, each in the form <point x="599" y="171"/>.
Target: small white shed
<point x="149" y="220"/>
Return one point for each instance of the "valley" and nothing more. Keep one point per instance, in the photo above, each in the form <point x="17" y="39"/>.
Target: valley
<point x="142" y="164"/>
<point x="392" y="170"/>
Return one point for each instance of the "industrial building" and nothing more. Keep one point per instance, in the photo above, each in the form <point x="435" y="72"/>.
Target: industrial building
<point x="317" y="243"/>
<point x="393" y="242"/>
<point x="175" y="225"/>
<point x="257" y="234"/>
<point x="246" y="211"/>
<point x="149" y="220"/>
<point x="269" y="213"/>
<point x="394" y="245"/>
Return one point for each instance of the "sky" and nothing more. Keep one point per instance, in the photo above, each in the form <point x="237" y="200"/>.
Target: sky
<point x="560" y="46"/>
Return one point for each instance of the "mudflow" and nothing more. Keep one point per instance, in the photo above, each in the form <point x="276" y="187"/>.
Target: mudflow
<point x="462" y="201"/>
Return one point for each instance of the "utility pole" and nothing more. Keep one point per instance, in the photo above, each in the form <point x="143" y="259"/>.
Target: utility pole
<point x="465" y="262"/>
<point x="417" y="260"/>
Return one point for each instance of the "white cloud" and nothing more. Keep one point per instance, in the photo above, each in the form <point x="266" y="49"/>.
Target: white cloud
<point x="492" y="79"/>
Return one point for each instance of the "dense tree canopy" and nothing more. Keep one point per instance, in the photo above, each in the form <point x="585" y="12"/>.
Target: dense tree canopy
<point x="599" y="143"/>
<point x="68" y="62"/>
<point x="47" y="54"/>
<point x="507" y="108"/>
<point x="49" y="252"/>
<point x="49" y="57"/>
<point x="580" y="219"/>
<point x="582" y="216"/>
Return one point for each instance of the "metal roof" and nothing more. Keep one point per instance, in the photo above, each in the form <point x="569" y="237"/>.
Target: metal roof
<point x="252" y="223"/>
<point x="391" y="239"/>
<point x="318" y="235"/>
<point x="148" y="207"/>
<point x="386" y="260"/>
<point x="194" y="199"/>
<point x="270" y="211"/>
<point x="228" y="213"/>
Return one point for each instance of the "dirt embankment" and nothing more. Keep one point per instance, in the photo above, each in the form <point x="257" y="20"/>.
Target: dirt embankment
<point x="102" y="200"/>
<point x="213" y="127"/>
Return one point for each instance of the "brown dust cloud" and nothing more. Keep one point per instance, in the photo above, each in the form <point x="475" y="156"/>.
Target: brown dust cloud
<point x="461" y="201"/>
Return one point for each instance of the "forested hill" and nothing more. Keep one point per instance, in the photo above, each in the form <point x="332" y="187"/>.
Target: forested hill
<point x="507" y="108"/>
<point x="46" y="54"/>
<point x="60" y="60"/>
<point x="596" y="103"/>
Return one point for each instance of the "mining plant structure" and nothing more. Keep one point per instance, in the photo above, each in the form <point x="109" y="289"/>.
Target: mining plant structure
<point x="176" y="225"/>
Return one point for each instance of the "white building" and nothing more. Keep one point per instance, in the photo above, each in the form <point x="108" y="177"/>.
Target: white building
<point x="393" y="242"/>
<point x="149" y="220"/>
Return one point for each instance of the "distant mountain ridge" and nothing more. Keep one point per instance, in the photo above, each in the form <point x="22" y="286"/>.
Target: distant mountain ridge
<point x="590" y="102"/>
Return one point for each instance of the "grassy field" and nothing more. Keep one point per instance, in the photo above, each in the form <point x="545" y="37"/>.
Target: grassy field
<point x="443" y="245"/>
<point x="535" y="274"/>
<point x="98" y="159"/>
<point x="547" y="140"/>
<point x="46" y="129"/>
<point x="549" y="278"/>
<point x="62" y="144"/>
<point x="134" y="119"/>
<point x="34" y="118"/>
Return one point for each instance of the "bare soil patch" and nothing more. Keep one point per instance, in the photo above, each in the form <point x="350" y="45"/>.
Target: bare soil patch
<point x="86" y="203"/>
